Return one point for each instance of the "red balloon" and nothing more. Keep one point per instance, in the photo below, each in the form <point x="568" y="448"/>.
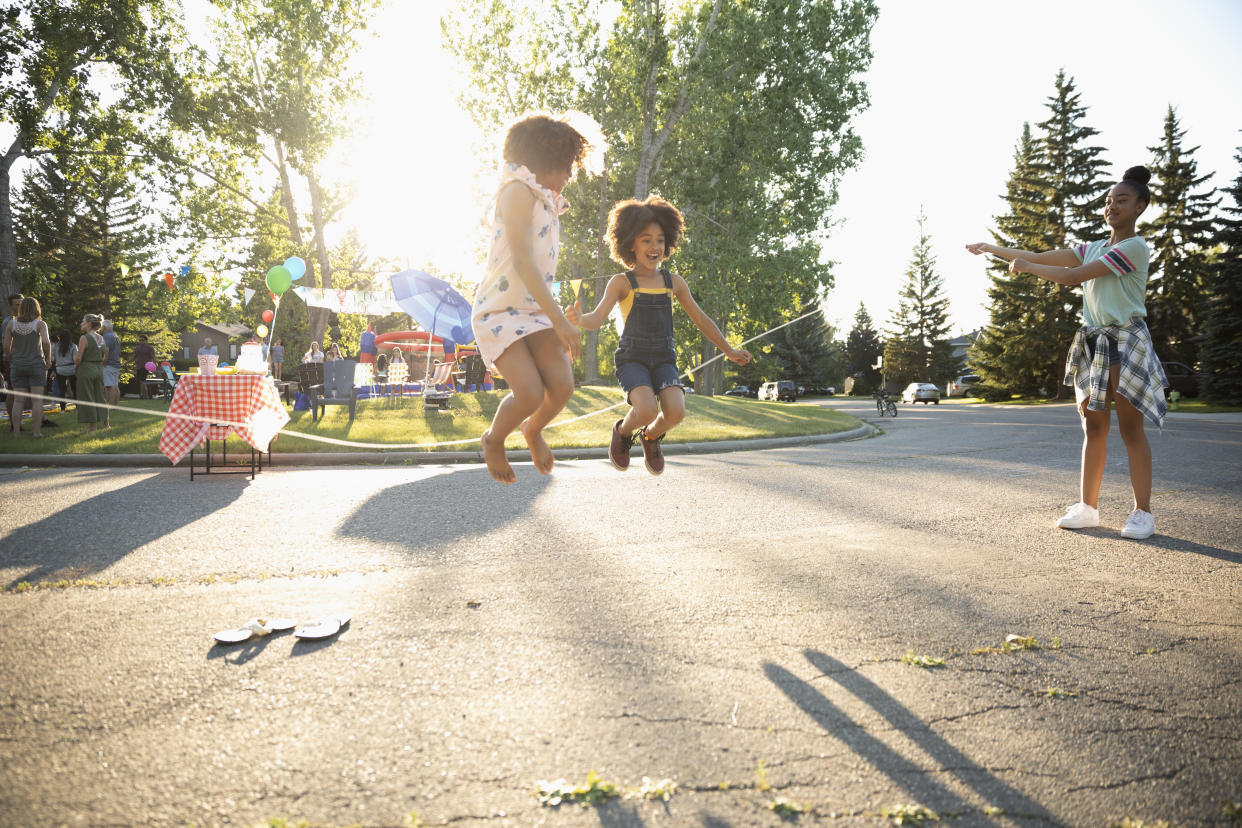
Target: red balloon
<point x="267" y="315"/>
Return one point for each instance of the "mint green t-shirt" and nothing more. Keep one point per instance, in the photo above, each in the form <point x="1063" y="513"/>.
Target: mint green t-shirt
<point x="1119" y="297"/>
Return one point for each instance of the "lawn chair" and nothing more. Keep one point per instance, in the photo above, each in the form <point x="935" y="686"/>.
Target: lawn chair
<point x="471" y="373"/>
<point x="337" y="388"/>
<point x="309" y="373"/>
<point x="442" y="374"/>
<point x="168" y="381"/>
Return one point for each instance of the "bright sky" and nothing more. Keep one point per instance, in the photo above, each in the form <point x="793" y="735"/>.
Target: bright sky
<point x="951" y="84"/>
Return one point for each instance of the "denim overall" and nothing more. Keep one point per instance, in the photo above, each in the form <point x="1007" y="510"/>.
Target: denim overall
<point x="647" y="340"/>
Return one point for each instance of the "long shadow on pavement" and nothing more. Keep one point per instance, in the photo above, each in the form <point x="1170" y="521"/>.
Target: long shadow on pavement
<point x="901" y="770"/>
<point x="423" y="522"/>
<point x="95" y="533"/>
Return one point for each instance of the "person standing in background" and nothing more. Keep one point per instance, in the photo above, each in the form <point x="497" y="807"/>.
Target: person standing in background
<point x="29" y="348"/>
<point x="111" y="370"/>
<point x="15" y="301"/>
<point x="89" y="361"/>
<point x="143" y="354"/>
<point x="64" y="380"/>
<point x="278" y="358"/>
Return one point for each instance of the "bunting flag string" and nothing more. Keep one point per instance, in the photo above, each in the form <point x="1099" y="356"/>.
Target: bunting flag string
<point x="249" y="294"/>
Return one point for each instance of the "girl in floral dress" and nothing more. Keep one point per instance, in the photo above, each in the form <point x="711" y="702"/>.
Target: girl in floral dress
<point x="521" y="331"/>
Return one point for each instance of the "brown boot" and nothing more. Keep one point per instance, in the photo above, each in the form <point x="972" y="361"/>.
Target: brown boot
<point x="619" y="448"/>
<point x="653" y="455"/>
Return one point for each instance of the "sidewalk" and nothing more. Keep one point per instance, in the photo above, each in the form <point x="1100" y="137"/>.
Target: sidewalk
<point x="422" y="458"/>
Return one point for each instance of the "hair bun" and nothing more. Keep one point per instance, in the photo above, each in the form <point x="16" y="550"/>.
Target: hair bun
<point x="1140" y="174"/>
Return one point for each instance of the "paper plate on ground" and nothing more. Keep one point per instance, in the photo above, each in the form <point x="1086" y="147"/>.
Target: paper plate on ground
<point x="322" y="627"/>
<point x="282" y="624"/>
<point x="236" y="636"/>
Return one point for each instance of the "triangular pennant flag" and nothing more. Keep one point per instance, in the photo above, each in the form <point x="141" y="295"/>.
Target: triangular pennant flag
<point x="185" y="271"/>
<point x="249" y="294"/>
<point x="146" y="279"/>
<point x="124" y="269"/>
<point x="168" y="279"/>
<point x="575" y="284"/>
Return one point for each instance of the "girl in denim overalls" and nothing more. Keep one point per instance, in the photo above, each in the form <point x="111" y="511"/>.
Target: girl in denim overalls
<point x="642" y="234"/>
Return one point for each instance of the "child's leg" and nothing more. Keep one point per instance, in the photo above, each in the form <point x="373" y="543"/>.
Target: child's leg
<point x="557" y="374"/>
<point x="643" y="409"/>
<point x="1130" y="422"/>
<point x="672" y="412"/>
<point x="517" y="364"/>
<point x="1095" y="425"/>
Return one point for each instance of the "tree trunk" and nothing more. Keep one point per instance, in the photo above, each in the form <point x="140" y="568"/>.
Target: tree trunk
<point x="590" y="354"/>
<point x="8" y="242"/>
<point x="319" y="321"/>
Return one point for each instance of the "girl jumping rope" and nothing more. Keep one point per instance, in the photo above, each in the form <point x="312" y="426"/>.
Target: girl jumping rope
<point x="642" y="234"/>
<point x="521" y="331"/>
<point x="1112" y="357"/>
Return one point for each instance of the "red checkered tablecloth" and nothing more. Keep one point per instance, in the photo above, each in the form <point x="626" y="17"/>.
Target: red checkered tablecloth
<point x="250" y="403"/>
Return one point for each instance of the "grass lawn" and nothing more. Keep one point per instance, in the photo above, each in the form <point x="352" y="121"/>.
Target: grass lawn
<point x="393" y="422"/>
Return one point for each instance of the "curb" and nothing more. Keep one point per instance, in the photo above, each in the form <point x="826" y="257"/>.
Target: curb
<point x="425" y="458"/>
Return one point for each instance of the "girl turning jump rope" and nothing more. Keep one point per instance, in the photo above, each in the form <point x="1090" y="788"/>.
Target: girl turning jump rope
<point x="522" y="333"/>
<point x="1112" y="357"/>
<point x="642" y="234"/>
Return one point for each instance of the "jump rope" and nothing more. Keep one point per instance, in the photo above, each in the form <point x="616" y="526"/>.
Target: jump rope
<point x="169" y="415"/>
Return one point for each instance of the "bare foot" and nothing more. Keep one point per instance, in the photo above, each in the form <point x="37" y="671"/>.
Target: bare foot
<point x="494" y="456"/>
<point x="540" y="451"/>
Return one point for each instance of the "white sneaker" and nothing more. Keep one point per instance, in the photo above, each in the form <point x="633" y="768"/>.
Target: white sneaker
<point x="1139" y="525"/>
<point x="1080" y="516"/>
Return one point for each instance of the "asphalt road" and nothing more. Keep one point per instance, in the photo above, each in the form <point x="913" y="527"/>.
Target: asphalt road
<point x="736" y="625"/>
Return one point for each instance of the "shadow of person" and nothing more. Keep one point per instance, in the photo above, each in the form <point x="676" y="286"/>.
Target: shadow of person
<point x="1182" y="545"/>
<point x="90" y="535"/>
<point x="426" y="514"/>
<point x="883" y="758"/>
<point x="989" y="788"/>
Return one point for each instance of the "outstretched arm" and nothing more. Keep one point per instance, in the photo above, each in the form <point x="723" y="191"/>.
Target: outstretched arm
<point x="613" y="293"/>
<point x="1059" y="258"/>
<point x="704" y="323"/>
<point x="1062" y="275"/>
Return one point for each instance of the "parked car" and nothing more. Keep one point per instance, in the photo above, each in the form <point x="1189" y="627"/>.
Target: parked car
<point x="1183" y="378"/>
<point x="738" y="391"/>
<point x="960" y="386"/>
<point x="923" y="392"/>
<point x="780" y="390"/>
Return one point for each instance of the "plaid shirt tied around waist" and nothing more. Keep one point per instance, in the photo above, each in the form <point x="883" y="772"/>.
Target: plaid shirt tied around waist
<point x="1142" y="381"/>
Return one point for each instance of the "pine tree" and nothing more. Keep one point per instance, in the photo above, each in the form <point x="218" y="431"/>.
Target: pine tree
<point x="1222" y="348"/>
<point x="1069" y="172"/>
<point x="806" y="350"/>
<point x="917" y="348"/>
<point x="1012" y="353"/>
<point x="1055" y="195"/>
<point x="862" y="349"/>
<point x="1181" y="237"/>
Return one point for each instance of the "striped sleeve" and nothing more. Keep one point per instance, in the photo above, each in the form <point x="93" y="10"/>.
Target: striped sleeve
<point x="1081" y="252"/>
<point x="1127" y="256"/>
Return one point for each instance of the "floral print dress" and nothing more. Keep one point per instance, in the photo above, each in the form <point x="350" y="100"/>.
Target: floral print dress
<point x="504" y="311"/>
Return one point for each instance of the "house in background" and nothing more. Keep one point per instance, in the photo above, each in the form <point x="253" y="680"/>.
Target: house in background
<point x="962" y="345"/>
<point x="226" y="338"/>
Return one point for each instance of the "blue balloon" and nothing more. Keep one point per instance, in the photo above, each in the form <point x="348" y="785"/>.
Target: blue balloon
<point x="296" y="267"/>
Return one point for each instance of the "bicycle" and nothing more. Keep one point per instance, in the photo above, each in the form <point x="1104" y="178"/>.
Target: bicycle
<point x="883" y="404"/>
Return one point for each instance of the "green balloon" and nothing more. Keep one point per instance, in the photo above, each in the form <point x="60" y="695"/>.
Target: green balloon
<point x="279" y="279"/>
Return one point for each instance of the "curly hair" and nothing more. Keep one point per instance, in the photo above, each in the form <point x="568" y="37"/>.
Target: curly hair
<point x="542" y="143"/>
<point x="629" y="217"/>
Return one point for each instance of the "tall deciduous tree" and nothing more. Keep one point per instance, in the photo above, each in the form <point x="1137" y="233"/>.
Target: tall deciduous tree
<point x="738" y="113"/>
<point x="917" y="348"/>
<point x="1222" y="348"/>
<point x="1181" y="237"/>
<point x="280" y="94"/>
<point x="50" y="52"/>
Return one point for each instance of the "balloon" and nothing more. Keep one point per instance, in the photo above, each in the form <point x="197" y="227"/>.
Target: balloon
<point x="267" y="315"/>
<point x="261" y="331"/>
<point x="278" y="279"/>
<point x="296" y="267"/>
<point x="150" y="366"/>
